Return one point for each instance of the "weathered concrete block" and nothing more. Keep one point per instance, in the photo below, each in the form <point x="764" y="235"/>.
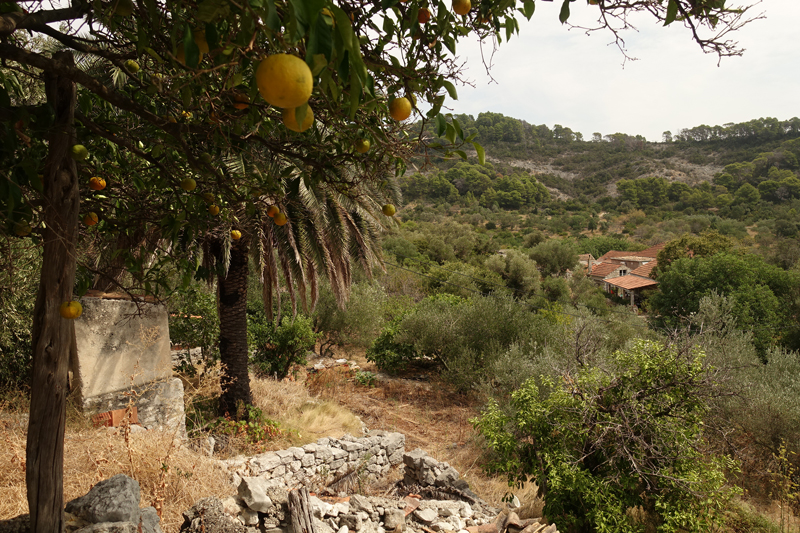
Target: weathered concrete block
<point x="120" y="344"/>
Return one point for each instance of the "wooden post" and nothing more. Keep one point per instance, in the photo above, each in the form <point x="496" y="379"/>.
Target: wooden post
<point x="302" y="519"/>
<point x="53" y="336"/>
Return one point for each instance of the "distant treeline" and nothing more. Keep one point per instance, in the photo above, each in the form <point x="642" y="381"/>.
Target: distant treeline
<point x="494" y="128"/>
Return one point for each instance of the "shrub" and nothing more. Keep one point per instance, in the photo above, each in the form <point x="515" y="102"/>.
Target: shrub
<point x="613" y="449"/>
<point x="357" y="323"/>
<point x="18" y="286"/>
<point x="274" y="349"/>
<point x="194" y="322"/>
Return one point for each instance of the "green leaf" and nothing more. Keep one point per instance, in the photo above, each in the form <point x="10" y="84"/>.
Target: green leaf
<point x="441" y="124"/>
<point x="461" y="153"/>
<point x="272" y="22"/>
<point x="457" y="126"/>
<point x="564" y="14"/>
<point x="672" y="12"/>
<point x="528" y="7"/>
<point x="451" y="89"/>
<point x="190" y="49"/>
<point x="481" y="153"/>
<point x="450" y="134"/>
<point x="355" y="94"/>
<point x="235" y="80"/>
<point x="318" y="63"/>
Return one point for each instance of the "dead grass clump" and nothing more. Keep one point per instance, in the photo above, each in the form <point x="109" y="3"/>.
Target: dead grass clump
<point x="306" y="418"/>
<point x="170" y="475"/>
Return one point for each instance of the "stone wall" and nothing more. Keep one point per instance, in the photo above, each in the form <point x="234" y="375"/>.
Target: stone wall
<point x="372" y="456"/>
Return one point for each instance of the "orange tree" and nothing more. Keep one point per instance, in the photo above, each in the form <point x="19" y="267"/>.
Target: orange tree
<point x="153" y="96"/>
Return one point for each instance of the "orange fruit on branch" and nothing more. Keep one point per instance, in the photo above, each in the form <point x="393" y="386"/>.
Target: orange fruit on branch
<point x="91" y="219"/>
<point x="188" y="184"/>
<point x="284" y="80"/>
<point x="400" y="108"/>
<point x="462" y="7"/>
<point x="290" y="119"/>
<point x="97" y="184"/>
<point x="213" y="209"/>
<point x="70" y="310"/>
<point x="423" y="15"/>
<point x="236" y="234"/>
<point x="389" y="210"/>
<point x="280" y="219"/>
<point x="273" y="210"/>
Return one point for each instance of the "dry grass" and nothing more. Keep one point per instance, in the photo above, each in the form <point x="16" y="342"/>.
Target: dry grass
<point x="170" y="475"/>
<point x="307" y="418"/>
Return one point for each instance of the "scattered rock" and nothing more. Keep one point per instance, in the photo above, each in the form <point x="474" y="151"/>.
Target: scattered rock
<point x="208" y="516"/>
<point x="112" y="500"/>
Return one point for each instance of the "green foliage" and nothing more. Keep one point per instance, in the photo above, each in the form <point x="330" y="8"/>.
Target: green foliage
<point x="18" y="287"/>
<point x="615" y="446"/>
<point x="765" y="296"/>
<point x="357" y="323"/>
<point x="276" y="348"/>
<point x="253" y="427"/>
<point x="387" y="352"/>
<point x="193" y="322"/>
<point x="554" y="256"/>
<point x="703" y="245"/>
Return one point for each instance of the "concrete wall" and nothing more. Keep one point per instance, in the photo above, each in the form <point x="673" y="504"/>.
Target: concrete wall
<point x="121" y="344"/>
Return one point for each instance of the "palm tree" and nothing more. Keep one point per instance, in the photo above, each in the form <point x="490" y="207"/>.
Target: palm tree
<point x="328" y="230"/>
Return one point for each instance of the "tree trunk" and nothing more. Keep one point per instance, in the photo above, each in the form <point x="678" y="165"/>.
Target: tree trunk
<point x="53" y="337"/>
<point x="233" y="332"/>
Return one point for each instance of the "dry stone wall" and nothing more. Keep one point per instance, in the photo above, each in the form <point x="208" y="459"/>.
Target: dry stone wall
<point x="371" y="456"/>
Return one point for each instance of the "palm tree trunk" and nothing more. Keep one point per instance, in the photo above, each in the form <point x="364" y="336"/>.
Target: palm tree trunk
<point x="53" y="336"/>
<point x="233" y="333"/>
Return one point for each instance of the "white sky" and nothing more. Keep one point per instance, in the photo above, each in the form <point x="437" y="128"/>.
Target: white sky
<point x="549" y="74"/>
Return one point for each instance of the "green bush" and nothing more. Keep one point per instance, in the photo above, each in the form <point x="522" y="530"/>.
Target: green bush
<point x="19" y="277"/>
<point x="615" y="447"/>
<point x="274" y="349"/>
<point x="194" y="322"/>
<point x="357" y="324"/>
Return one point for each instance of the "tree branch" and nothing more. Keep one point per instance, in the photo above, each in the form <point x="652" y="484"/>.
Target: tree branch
<point x="11" y="22"/>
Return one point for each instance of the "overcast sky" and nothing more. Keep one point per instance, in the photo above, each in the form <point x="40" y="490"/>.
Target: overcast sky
<point x="549" y="74"/>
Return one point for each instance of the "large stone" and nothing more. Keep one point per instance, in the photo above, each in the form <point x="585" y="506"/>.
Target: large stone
<point x="253" y="490"/>
<point x="414" y="458"/>
<point x="207" y="516"/>
<point x="149" y="520"/>
<point x="448" y="476"/>
<point x="112" y="500"/>
<point x="394" y="518"/>
<point x="120" y="344"/>
<point x="426" y="516"/>
<point x="360" y="503"/>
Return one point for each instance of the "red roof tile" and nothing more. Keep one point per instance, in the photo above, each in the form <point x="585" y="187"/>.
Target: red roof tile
<point x="604" y="269"/>
<point x="645" y="270"/>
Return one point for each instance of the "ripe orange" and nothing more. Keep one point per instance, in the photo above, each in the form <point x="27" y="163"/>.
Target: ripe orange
<point x="423" y="15"/>
<point x="90" y="219"/>
<point x="208" y="197"/>
<point x="284" y="80"/>
<point x="241" y="101"/>
<point x="462" y="7"/>
<point x="389" y="210"/>
<point x="400" y="108"/>
<point x="273" y="210"/>
<point x="290" y="119"/>
<point x="362" y="146"/>
<point x="97" y="184"/>
<point x="188" y="184"/>
<point x="236" y="234"/>
<point x="70" y="310"/>
<point x="280" y="219"/>
<point x="213" y="209"/>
